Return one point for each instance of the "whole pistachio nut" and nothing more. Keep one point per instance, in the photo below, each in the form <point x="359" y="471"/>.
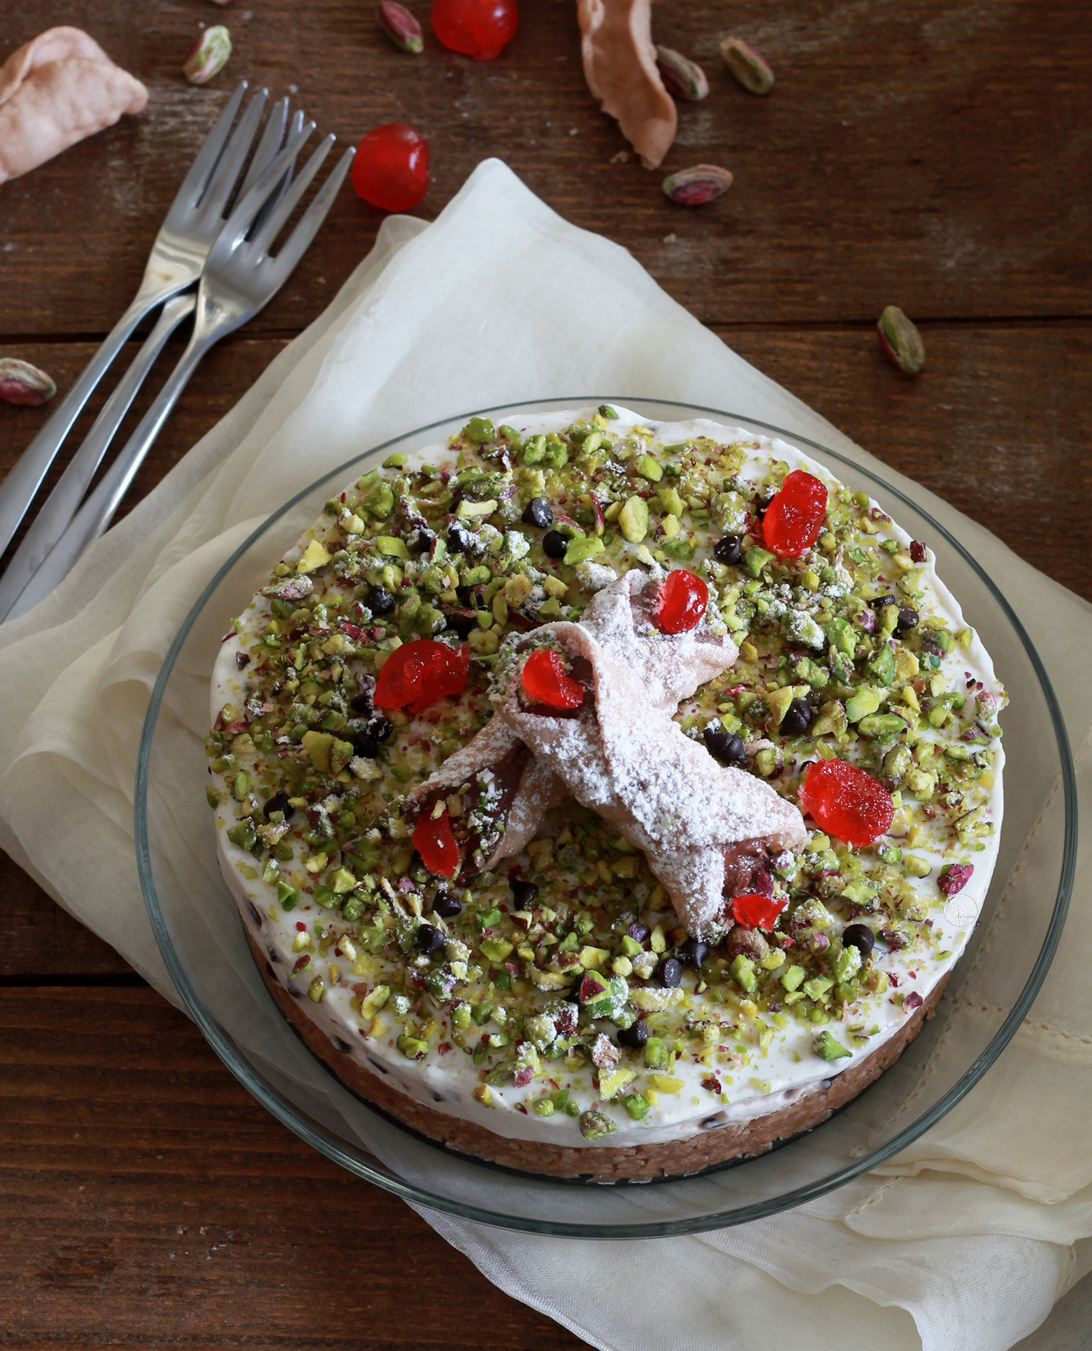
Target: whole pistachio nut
<point x="209" y="55"/>
<point x="400" y="26"/>
<point x="697" y="185"/>
<point x="681" y="76"/>
<point x="22" y="383"/>
<point x="748" y="66"/>
<point x="900" y="341"/>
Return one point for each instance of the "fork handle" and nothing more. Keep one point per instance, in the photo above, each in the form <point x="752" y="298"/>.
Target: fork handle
<point x="62" y="503"/>
<point x="18" y="489"/>
<point x="98" y="510"/>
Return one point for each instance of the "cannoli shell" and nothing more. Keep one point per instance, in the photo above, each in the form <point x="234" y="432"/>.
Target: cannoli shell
<point x="55" y="91"/>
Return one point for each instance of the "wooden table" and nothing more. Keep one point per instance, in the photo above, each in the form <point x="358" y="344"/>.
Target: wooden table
<point x="931" y="153"/>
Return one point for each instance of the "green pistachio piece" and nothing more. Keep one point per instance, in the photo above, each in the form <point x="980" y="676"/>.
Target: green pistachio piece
<point x="828" y="1049"/>
<point x="595" y="1125"/>
<point x="882" y="726"/>
<point x="392" y="546"/>
<point x="479" y="430"/>
<point x="743" y="972"/>
<point x="756" y="559"/>
<point x="581" y="548"/>
<point x="636" y="1105"/>
<point x="649" y="468"/>
<point x="633" y="519"/>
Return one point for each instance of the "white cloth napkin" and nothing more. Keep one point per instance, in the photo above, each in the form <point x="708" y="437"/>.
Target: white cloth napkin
<point x="966" y="1240"/>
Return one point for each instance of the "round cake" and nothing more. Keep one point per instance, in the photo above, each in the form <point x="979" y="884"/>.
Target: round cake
<point x="606" y="799"/>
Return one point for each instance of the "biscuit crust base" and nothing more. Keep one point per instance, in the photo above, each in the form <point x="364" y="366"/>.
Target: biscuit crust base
<point x="600" y="1162"/>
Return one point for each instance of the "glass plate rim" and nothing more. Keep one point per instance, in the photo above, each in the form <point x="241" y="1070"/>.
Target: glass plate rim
<point x="319" y="1138"/>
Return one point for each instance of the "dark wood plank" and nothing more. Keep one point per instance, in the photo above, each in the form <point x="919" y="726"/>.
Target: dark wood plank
<point x="37" y="936"/>
<point x="924" y="153"/>
<point x="146" y="1200"/>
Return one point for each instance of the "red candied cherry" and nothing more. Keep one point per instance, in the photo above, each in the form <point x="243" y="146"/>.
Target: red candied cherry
<point x="391" y="167"/>
<point x="795" y="515"/>
<point x="416" y="674"/>
<point x="680" y="603"/>
<point x="435" y="841"/>
<point x="545" y="681"/>
<point x="846" y="802"/>
<point x="755" y="911"/>
<point x="477" y="28"/>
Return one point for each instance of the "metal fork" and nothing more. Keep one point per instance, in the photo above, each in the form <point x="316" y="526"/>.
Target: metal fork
<point x="62" y="503"/>
<point x="175" y="263"/>
<point x="239" y="278"/>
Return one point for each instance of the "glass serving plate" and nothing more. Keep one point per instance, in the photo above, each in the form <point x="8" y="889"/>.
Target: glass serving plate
<point x="201" y="938"/>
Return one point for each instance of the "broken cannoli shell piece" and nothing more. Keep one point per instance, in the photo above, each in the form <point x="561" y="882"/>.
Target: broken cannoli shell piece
<point x="504" y="794"/>
<point x="620" y="68"/>
<point x="56" y="90"/>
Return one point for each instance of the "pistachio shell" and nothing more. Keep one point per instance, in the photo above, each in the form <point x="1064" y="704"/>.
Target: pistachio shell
<point x="748" y="66"/>
<point x="697" y="185"/>
<point x="22" y="383"/>
<point x="900" y="341"/>
<point x="208" y="56"/>
<point x="400" y="26"/>
<point x="681" y="76"/>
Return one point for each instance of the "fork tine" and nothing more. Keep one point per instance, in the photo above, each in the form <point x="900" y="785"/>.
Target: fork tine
<point x="262" y="238"/>
<point x="300" y="239"/>
<point x="208" y="156"/>
<point x="242" y="218"/>
<point x="268" y="145"/>
<point x="234" y="157"/>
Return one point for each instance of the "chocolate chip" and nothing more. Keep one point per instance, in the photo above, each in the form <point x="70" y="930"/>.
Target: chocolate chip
<point x="878" y="602"/>
<point x="671" y="973"/>
<point x="639" y="932"/>
<point x="463" y="624"/>
<point x="907" y="620"/>
<point x="379" y="600"/>
<point x="420" y="541"/>
<point x="693" y="952"/>
<point x="634" y="1036"/>
<point x="362" y="703"/>
<point x="278" y="803"/>
<point x="859" y="936"/>
<point x="242" y="660"/>
<point x="727" y="747"/>
<point x="797" y="719"/>
<point x="363" y="744"/>
<point x="459" y="539"/>
<point x="554" y="544"/>
<point x="445" y="905"/>
<point x="430" y="940"/>
<point x="523" y="893"/>
<point x="728" y="549"/>
<point x="380" y="730"/>
<point x="538" y="512"/>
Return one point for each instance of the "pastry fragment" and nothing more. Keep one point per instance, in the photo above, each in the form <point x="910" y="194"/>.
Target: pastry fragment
<point x="636" y="768"/>
<point x="503" y="794"/>
<point x="56" y="90"/>
<point x="620" y="68"/>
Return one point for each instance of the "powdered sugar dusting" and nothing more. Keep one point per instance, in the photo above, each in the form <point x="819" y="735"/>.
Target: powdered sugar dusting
<point x="628" y="761"/>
